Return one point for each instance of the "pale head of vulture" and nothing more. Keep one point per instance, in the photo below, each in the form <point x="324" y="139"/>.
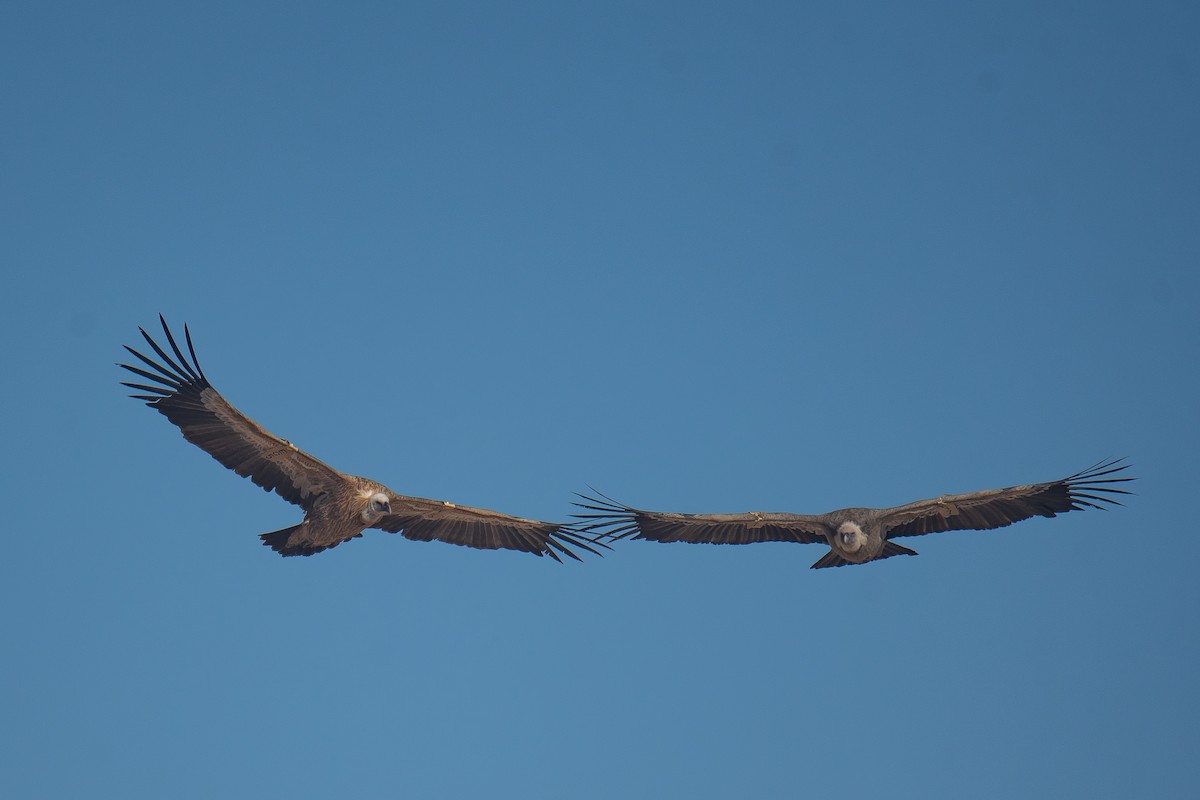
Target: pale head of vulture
<point x="850" y="537"/>
<point x="378" y="505"/>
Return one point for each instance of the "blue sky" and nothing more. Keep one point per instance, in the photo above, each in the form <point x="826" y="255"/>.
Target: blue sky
<point x="702" y="256"/>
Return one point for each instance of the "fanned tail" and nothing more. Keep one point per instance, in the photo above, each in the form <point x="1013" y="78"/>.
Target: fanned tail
<point x="832" y="559"/>
<point x="294" y="542"/>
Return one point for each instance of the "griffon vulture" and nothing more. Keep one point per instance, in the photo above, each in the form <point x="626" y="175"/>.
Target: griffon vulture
<point x="337" y="507"/>
<point x="859" y="535"/>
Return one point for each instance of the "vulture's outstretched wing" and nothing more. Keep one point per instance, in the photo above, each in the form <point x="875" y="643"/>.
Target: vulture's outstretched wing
<point x="616" y="521"/>
<point x="996" y="508"/>
<point x="183" y="395"/>
<point x="424" y="520"/>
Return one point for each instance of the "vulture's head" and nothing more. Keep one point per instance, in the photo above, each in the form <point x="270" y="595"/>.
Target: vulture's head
<point x="850" y="538"/>
<point x="378" y="504"/>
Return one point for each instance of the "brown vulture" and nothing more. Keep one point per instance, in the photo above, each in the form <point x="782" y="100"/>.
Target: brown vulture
<point x="859" y="535"/>
<point x="337" y="507"/>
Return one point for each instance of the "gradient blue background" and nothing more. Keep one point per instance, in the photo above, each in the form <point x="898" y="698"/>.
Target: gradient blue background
<point x="702" y="256"/>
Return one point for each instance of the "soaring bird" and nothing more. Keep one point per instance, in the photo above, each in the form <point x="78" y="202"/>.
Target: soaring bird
<point x="859" y="535"/>
<point x="337" y="507"/>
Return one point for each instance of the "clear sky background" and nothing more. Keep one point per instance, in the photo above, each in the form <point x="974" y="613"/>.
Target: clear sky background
<point x="706" y="257"/>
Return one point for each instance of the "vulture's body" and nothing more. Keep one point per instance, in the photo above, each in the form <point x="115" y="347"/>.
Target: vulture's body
<point x="859" y="535"/>
<point x="337" y="506"/>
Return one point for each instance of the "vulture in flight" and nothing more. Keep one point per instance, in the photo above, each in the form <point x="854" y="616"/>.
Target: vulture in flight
<point x="337" y="507"/>
<point x="859" y="535"/>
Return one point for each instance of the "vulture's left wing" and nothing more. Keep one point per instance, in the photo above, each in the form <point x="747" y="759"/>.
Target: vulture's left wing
<point x="996" y="508"/>
<point x="425" y="520"/>
<point x="183" y="395"/>
<point x="616" y="521"/>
